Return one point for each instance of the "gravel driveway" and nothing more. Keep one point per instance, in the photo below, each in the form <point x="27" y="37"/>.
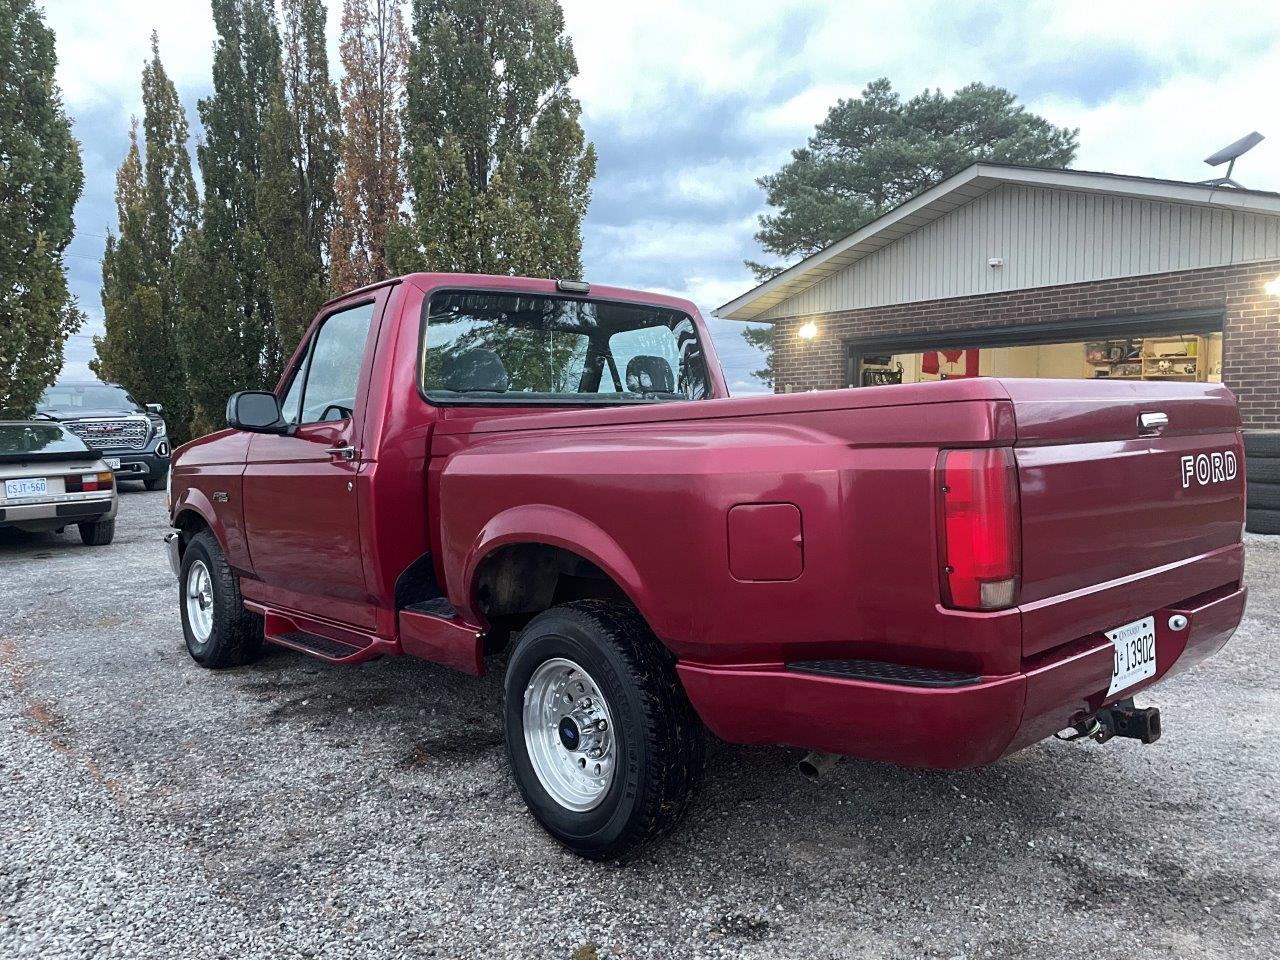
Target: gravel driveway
<point x="294" y="809"/>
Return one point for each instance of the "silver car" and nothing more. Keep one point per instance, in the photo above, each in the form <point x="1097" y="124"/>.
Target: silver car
<point x="49" y="479"/>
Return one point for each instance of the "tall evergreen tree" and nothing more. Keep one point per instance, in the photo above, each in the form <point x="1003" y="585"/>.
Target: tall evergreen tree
<point x="40" y="182"/>
<point x="370" y="187"/>
<point x="299" y="162"/>
<point x="496" y="158"/>
<point x="156" y="208"/>
<point x="130" y="299"/>
<point x="228" y="337"/>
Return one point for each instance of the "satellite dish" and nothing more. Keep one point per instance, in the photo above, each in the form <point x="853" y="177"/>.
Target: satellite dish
<point x="1229" y="155"/>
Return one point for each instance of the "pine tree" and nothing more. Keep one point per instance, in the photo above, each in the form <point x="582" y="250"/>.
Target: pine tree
<point x="40" y="182"/>
<point x="874" y="152"/>
<point x="156" y="207"/>
<point x="228" y="338"/>
<point x="498" y="165"/>
<point x="299" y="162"/>
<point x="370" y="186"/>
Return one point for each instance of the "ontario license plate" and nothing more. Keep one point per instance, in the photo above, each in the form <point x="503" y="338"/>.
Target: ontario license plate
<point x="31" y="487"/>
<point x="112" y="462"/>
<point x="1134" y="646"/>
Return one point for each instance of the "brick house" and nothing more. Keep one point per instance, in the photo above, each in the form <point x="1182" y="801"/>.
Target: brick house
<point x="1018" y="271"/>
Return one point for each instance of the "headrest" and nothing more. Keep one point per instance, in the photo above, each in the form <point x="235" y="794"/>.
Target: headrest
<point x="646" y="374"/>
<point x="477" y="369"/>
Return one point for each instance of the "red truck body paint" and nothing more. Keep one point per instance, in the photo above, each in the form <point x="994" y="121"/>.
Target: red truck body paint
<point x="757" y="532"/>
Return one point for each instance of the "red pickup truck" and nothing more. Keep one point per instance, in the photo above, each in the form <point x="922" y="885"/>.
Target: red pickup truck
<point x="936" y="575"/>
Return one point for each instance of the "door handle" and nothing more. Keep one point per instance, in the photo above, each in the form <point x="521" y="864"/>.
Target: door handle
<point x="1153" y="421"/>
<point x="347" y="453"/>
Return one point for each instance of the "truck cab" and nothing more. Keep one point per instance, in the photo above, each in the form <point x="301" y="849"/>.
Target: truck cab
<point x="933" y="575"/>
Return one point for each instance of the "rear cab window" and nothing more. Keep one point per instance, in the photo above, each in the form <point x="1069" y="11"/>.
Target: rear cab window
<point x="520" y="348"/>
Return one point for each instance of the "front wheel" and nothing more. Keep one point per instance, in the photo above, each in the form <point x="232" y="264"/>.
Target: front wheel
<point x="219" y="631"/>
<point x="605" y="746"/>
<point x="154" y="483"/>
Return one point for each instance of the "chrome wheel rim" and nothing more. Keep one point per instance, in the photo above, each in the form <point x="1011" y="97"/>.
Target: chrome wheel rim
<point x="199" y="600"/>
<point x="568" y="734"/>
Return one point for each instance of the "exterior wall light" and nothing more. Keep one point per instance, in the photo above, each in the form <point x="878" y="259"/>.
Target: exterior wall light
<point x="807" y="331"/>
<point x="1271" y="286"/>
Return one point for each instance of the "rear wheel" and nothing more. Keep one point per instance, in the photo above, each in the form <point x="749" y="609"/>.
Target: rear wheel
<point x="605" y="747"/>
<point x="219" y="631"/>
<point x="97" y="533"/>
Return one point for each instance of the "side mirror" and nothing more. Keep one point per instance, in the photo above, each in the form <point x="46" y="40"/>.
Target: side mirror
<point x="255" y="411"/>
<point x="156" y="408"/>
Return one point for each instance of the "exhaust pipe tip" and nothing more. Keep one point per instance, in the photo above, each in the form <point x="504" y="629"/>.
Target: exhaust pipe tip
<point x="816" y="764"/>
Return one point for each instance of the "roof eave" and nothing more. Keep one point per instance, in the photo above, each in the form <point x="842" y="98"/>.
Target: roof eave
<point x="978" y="177"/>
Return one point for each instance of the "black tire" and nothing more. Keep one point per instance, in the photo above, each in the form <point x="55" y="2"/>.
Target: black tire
<point x="1264" y="496"/>
<point x="236" y="635"/>
<point x="1263" y="469"/>
<point x="1261" y="443"/>
<point x="658" y="737"/>
<point x="1262" y="521"/>
<point x="97" y="533"/>
<point x="154" y="483"/>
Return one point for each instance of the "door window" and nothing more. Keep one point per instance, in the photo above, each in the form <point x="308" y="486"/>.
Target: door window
<point x="332" y="369"/>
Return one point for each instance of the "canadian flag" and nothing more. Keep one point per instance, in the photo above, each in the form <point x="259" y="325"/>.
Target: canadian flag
<point x="932" y="361"/>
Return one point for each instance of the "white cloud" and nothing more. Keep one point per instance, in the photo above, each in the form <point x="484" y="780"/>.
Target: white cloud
<point x="102" y="46"/>
<point x="1169" y="130"/>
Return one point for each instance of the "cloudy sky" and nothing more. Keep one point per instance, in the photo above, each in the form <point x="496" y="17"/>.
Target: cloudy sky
<point x="689" y="101"/>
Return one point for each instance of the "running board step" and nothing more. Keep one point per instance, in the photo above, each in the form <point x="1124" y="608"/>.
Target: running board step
<point x="876" y="671"/>
<point x="435" y="607"/>
<point x="319" y="646"/>
<point x="302" y="633"/>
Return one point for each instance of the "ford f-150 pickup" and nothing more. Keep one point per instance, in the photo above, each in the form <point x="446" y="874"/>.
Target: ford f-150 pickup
<point x="936" y="575"/>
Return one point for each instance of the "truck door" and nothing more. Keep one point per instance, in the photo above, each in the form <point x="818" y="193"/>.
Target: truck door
<point x="300" y="504"/>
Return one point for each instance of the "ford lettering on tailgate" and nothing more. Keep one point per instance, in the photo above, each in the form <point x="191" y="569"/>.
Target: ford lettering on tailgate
<point x="1206" y="468"/>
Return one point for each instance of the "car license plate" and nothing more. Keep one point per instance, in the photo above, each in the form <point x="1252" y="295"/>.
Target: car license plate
<point x="32" y="487"/>
<point x="113" y="462"/>
<point x="1134" y="646"/>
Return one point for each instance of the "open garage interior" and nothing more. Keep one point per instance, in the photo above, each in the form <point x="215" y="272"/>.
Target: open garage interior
<point x="1149" y="352"/>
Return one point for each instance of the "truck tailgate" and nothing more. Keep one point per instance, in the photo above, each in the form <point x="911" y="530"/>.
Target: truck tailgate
<point x="1105" y="499"/>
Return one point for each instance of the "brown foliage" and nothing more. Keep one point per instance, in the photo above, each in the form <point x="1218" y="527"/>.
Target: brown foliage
<point x="370" y="185"/>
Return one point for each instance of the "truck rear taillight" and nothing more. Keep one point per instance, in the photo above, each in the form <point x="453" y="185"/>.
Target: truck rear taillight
<point x="981" y="548"/>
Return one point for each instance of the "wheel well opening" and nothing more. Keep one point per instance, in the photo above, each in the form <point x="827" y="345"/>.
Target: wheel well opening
<point x="189" y="523"/>
<point x="516" y="582"/>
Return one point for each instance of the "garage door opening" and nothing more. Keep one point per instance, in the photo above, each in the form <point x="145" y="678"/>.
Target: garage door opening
<point x="1175" y="348"/>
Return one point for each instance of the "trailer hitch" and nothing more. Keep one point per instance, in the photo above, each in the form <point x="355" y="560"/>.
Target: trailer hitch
<point x="1121" y="719"/>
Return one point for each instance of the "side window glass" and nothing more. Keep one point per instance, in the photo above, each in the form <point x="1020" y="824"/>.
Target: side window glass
<point x="333" y="373"/>
<point x="292" y="406"/>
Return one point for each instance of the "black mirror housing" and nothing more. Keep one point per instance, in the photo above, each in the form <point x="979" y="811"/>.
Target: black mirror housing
<point x="256" y="411"/>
